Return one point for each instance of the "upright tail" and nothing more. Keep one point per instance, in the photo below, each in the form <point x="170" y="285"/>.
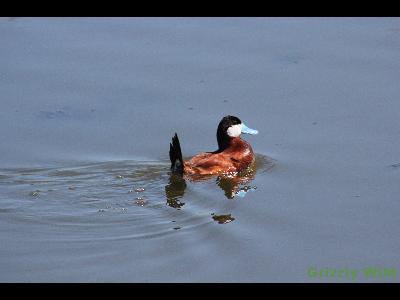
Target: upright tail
<point x="175" y="155"/>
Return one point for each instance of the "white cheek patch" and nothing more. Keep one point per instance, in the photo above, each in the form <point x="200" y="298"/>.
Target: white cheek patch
<point x="234" y="130"/>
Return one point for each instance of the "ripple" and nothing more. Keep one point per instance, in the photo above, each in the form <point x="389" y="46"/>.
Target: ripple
<point x="120" y="199"/>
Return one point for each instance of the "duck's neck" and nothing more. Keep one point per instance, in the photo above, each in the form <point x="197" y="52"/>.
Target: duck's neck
<point x="230" y="143"/>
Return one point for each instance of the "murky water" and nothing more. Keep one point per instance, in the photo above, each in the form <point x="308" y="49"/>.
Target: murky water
<point x="89" y="106"/>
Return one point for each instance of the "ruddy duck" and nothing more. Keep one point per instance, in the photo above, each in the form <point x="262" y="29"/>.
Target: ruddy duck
<point x="233" y="155"/>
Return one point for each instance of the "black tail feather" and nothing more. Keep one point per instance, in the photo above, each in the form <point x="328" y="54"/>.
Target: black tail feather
<point x="175" y="155"/>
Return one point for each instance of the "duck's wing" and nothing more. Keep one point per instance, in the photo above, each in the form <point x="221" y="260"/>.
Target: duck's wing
<point x="208" y="163"/>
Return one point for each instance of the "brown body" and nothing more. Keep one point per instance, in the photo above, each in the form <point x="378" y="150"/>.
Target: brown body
<point x="235" y="158"/>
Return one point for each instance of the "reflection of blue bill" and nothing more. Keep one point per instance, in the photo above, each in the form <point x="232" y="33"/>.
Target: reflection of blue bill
<point x="242" y="193"/>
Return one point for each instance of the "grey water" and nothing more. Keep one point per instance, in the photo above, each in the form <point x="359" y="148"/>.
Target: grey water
<point x="89" y="106"/>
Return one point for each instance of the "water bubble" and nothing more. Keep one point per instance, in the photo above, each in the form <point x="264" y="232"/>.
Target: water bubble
<point x="34" y="193"/>
<point x="141" y="201"/>
<point x="139" y="190"/>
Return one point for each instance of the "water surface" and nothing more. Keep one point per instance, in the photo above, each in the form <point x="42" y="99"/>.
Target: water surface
<point x="88" y="108"/>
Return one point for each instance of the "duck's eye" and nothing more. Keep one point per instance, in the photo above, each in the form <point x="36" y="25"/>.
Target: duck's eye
<point x="234" y="130"/>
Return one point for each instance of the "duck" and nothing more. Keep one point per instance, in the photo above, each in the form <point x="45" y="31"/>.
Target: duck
<point x="233" y="155"/>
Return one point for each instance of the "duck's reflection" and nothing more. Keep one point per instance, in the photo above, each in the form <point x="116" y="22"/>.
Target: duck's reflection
<point x="235" y="186"/>
<point x="222" y="219"/>
<point x="232" y="185"/>
<point x="175" y="190"/>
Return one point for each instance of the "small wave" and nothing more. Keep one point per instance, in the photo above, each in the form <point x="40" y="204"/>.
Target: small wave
<point x="142" y="197"/>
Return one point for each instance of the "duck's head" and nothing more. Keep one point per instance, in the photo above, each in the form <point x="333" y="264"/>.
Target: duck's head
<point x="230" y="127"/>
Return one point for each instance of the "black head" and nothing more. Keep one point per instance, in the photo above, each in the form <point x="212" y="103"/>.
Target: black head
<point x="222" y="132"/>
